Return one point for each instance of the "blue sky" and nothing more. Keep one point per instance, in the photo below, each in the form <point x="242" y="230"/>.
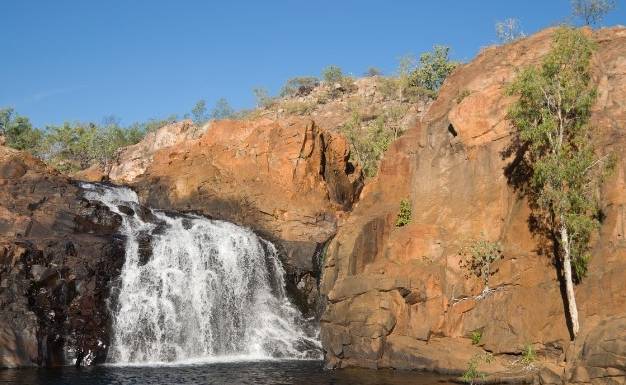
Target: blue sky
<point x="69" y="60"/>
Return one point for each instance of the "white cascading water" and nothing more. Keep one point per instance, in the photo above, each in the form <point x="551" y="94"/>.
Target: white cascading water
<point x="209" y="290"/>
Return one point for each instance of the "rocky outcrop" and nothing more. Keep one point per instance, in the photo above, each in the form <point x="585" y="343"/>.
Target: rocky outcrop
<point x="59" y="258"/>
<point x="289" y="180"/>
<point x="397" y="297"/>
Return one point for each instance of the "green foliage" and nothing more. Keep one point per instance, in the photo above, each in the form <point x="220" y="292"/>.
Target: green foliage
<point x="509" y="30"/>
<point x="389" y="87"/>
<point x="332" y="74"/>
<point x="472" y="373"/>
<point x="476" y="336"/>
<point x="18" y="131"/>
<point x="222" y="110"/>
<point x="373" y="71"/>
<point x="478" y="256"/>
<point x="72" y="147"/>
<point x="592" y="11"/>
<point x="404" y="216"/>
<point x="337" y="82"/>
<point x="551" y="121"/>
<point x="294" y="107"/>
<point x="262" y="97"/>
<point x="434" y="67"/>
<point x="150" y="125"/>
<point x="529" y="355"/>
<point x="462" y="95"/>
<point x="199" y="112"/>
<point x="299" y="86"/>
<point x="368" y="144"/>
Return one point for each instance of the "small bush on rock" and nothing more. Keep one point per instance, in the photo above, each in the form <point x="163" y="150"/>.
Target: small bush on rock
<point x="529" y="356"/>
<point x="476" y="336"/>
<point x="404" y="216"/>
<point x="472" y="373"/>
<point x="434" y="67"/>
<point x="299" y="86"/>
<point x="332" y="74"/>
<point x="478" y="257"/>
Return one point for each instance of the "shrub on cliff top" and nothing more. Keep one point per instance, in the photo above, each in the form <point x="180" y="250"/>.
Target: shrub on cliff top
<point x="199" y="112"/>
<point x="299" y="86"/>
<point x="509" y="30"/>
<point x="18" y="131"/>
<point x="222" y="110"/>
<point x="592" y="11"/>
<point x="434" y="67"/>
<point x="332" y="74"/>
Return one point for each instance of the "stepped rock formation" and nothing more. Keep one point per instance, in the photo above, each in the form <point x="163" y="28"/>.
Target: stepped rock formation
<point x="397" y="297"/>
<point x="58" y="260"/>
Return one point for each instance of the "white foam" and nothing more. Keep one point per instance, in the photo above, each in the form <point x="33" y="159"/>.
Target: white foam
<point x="211" y="292"/>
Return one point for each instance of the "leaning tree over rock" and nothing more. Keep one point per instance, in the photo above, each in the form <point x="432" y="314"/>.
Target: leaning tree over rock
<point x="555" y="149"/>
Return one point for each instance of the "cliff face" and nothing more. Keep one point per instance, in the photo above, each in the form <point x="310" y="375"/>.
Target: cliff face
<point x="58" y="261"/>
<point x="288" y="180"/>
<point x="397" y="296"/>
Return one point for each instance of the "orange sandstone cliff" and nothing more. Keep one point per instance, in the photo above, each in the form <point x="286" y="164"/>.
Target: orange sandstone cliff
<point x="396" y="296"/>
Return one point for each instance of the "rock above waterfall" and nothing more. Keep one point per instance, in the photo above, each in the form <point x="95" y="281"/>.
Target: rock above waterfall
<point x="289" y="180"/>
<point x="397" y="296"/>
<point x="58" y="259"/>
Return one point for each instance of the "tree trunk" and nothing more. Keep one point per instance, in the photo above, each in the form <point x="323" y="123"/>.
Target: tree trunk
<point x="569" y="283"/>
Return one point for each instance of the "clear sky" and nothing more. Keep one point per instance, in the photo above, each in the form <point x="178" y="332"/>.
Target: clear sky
<point x="69" y="60"/>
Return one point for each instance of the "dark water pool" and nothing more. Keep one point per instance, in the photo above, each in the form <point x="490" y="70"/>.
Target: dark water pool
<point x="240" y="373"/>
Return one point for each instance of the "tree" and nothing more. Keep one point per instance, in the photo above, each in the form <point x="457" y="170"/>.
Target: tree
<point x="199" y="112"/>
<point x="434" y="67"/>
<point x="369" y="143"/>
<point x="478" y="256"/>
<point x="592" y="11"/>
<point x="332" y="74"/>
<point x="555" y="165"/>
<point x="6" y="115"/>
<point x="262" y="97"/>
<point x="509" y="30"/>
<point x="18" y="131"/>
<point x="299" y="86"/>
<point x="373" y="71"/>
<point x="222" y="110"/>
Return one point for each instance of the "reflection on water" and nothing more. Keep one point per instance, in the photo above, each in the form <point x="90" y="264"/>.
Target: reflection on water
<point x="234" y="373"/>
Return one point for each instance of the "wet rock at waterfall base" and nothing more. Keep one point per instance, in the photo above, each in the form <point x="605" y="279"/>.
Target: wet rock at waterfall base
<point x="59" y="256"/>
<point x="126" y="210"/>
<point x="144" y="242"/>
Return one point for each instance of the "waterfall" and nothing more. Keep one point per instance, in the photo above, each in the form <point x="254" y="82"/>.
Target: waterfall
<point x="194" y="289"/>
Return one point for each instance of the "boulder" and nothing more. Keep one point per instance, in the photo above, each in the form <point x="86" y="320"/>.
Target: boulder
<point x="59" y="259"/>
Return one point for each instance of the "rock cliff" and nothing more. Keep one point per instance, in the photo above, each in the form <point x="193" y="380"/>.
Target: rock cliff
<point x="289" y="180"/>
<point x="394" y="296"/>
<point x="397" y="297"/>
<point x="59" y="258"/>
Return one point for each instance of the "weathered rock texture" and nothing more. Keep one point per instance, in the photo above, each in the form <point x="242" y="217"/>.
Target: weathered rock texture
<point x="58" y="261"/>
<point x="289" y="180"/>
<point x="397" y="296"/>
